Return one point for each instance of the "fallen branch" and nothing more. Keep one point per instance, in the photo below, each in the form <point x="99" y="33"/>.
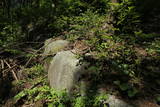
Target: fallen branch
<point x="9" y="68"/>
<point x="14" y="74"/>
<point x="2" y="64"/>
<point x="34" y="53"/>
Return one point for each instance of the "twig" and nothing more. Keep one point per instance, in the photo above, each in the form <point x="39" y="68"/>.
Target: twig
<point x="35" y="53"/>
<point x="14" y="74"/>
<point x="9" y="68"/>
<point x="2" y="64"/>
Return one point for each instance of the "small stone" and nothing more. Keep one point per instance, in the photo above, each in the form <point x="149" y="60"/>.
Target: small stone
<point x="115" y="102"/>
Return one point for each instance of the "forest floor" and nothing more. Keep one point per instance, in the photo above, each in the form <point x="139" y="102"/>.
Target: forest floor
<point x="19" y="74"/>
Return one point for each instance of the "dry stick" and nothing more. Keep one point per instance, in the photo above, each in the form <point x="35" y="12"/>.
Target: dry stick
<point x="32" y="57"/>
<point x="2" y="64"/>
<point x="14" y="74"/>
<point x="9" y="68"/>
<point x="34" y="53"/>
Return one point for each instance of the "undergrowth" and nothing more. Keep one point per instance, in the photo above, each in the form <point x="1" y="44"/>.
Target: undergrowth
<point x="122" y="55"/>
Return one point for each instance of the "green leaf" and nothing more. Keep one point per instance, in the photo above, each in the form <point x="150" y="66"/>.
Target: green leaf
<point x="92" y="68"/>
<point x="124" y="86"/>
<point x="61" y="105"/>
<point x="117" y="82"/>
<point x="51" y="105"/>
<point x="21" y="94"/>
<point x="132" y="93"/>
<point x="158" y="99"/>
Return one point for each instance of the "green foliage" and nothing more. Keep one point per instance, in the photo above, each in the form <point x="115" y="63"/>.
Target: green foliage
<point x="158" y="99"/>
<point x="54" y="98"/>
<point x="10" y="34"/>
<point x="113" y="52"/>
<point x="100" y="99"/>
<point x="85" y="25"/>
<point x="35" y="71"/>
<point x="141" y="37"/>
<point x="14" y="51"/>
<point x="75" y="7"/>
<point x="95" y="71"/>
<point x="127" y="18"/>
<point x="33" y="17"/>
<point x="155" y="47"/>
<point x="80" y="102"/>
<point x="131" y="91"/>
<point x="111" y="48"/>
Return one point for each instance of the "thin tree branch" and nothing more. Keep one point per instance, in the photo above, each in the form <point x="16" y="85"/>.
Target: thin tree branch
<point x="14" y="74"/>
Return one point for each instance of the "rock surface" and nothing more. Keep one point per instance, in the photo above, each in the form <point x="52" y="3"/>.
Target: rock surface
<point x="115" y="102"/>
<point x="52" y="47"/>
<point x="64" y="71"/>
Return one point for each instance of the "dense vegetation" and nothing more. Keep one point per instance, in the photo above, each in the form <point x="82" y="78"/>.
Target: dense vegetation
<point x="122" y="37"/>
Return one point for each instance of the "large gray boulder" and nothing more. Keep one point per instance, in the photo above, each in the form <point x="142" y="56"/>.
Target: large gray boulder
<point x="52" y="47"/>
<point x="64" y="71"/>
